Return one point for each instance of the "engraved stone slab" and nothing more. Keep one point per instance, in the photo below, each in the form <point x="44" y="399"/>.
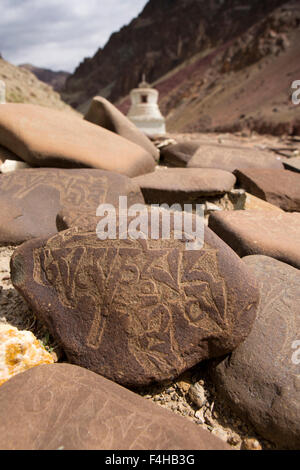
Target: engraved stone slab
<point x="137" y="311"/>
<point x="270" y="233"/>
<point x="279" y="187"/>
<point x="31" y="199"/>
<point x="61" y="406"/>
<point x="261" y="378"/>
<point x="184" y="185"/>
<point x="105" y="114"/>
<point x="232" y="158"/>
<point x="46" y="137"/>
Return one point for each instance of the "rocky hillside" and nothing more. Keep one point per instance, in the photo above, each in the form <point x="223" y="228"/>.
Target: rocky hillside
<point x="55" y="79"/>
<point x="206" y="58"/>
<point x="24" y="87"/>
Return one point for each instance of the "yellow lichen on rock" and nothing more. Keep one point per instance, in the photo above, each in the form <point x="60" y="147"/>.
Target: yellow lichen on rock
<point x="19" y="351"/>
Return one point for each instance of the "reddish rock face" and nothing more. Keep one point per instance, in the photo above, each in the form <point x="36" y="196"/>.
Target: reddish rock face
<point x="267" y="233"/>
<point x="260" y="379"/>
<point x="232" y="158"/>
<point x="279" y="187"/>
<point x="105" y="114"/>
<point x="184" y="185"/>
<point x="66" y="407"/>
<point x="45" y="137"/>
<point x="31" y="199"/>
<point x="137" y="311"/>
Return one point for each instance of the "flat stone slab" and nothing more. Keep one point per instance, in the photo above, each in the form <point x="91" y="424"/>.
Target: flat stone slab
<point x="184" y="185"/>
<point x="232" y="158"/>
<point x="260" y="380"/>
<point x="137" y="311"/>
<point x="105" y="114"/>
<point x="49" y="138"/>
<point x="279" y="187"/>
<point x="260" y="232"/>
<point x="179" y="154"/>
<point x="31" y="199"/>
<point x="293" y="164"/>
<point x="65" y="407"/>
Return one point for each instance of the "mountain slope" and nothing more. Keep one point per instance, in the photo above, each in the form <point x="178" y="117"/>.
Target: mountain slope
<point x="165" y="35"/>
<point x="55" y="79"/>
<point x="23" y="87"/>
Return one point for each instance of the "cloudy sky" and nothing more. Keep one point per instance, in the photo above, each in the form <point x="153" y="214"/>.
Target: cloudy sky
<point x="58" y="34"/>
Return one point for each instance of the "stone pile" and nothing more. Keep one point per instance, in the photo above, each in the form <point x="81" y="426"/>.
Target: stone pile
<point x="140" y="312"/>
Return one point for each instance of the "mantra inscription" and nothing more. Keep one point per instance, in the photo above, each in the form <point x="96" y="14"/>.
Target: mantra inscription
<point x="147" y="286"/>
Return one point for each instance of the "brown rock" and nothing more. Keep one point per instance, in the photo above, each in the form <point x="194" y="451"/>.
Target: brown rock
<point x="254" y="203"/>
<point x="179" y="154"/>
<point x="292" y="164"/>
<point x="232" y="158"/>
<point x="184" y="185"/>
<point x="263" y="233"/>
<point x="260" y="379"/>
<point x="105" y="114"/>
<point x="6" y="154"/>
<point x="46" y="137"/>
<point x="65" y="407"/>
<point x="137" y="311"/>
<point x="279" y="187"/>
<point x="31" y="199"/>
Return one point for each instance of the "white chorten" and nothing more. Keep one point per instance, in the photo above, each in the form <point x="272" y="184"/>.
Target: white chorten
<point x="144" y="111"/>
<point x="2" y="92"/>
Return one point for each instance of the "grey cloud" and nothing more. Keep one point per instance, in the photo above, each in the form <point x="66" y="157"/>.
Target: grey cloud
<point x="58" y="34"/>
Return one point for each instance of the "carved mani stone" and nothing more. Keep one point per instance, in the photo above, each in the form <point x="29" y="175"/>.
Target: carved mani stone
<point x="270" y="233"/>
<point x="31" y="199"/>
<point x="179" y="154"/>
<point x="105" y="114"/>
<point x="137" y="311"/>
<point x="260" y="379"/>
<point x="279" y="187"/>
<point x="46" y="137"/>
<point x="184" y="185"/>
<point x="65" y="407"/>
<point x="232" y="158"/>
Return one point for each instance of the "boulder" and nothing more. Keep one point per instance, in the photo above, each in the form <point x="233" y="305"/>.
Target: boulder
<point x="137" y="311"/>
<point x="292" y="164"/>
<point x="278" y="187"/>
<point x="64" y="407"/>
<point x="31" y="199"/>
<point x="46" y="137"/>
<point x="19" y="351"/>
<point x="105" y="114"/>
<point x="231" y="158"/>
<point x="260" y="379"/>
<point x="179" y="154"/>
<point x="184" y="185"/>
<point x="269" y="233"/>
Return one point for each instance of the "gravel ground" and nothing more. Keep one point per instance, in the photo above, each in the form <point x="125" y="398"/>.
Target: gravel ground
<point x="192" y="395"/>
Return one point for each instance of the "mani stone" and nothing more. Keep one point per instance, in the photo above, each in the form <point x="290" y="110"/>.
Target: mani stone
<point x="31" y="199"/>
<point x="105" y="114"/>
<point x="279" y="187"/>
<point x="293" y="164"/>
<point x="232" y="158"/>
<point x="179" y="154"/>
<point x="260" y="380"/>
<point x="137" y="311"/>
<point x="46" y="137"/>
<point x="184" y="185"/>
<point x="65" y="407"/>
<point x="19" y="351"/>
<point x="270" y="233"/>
